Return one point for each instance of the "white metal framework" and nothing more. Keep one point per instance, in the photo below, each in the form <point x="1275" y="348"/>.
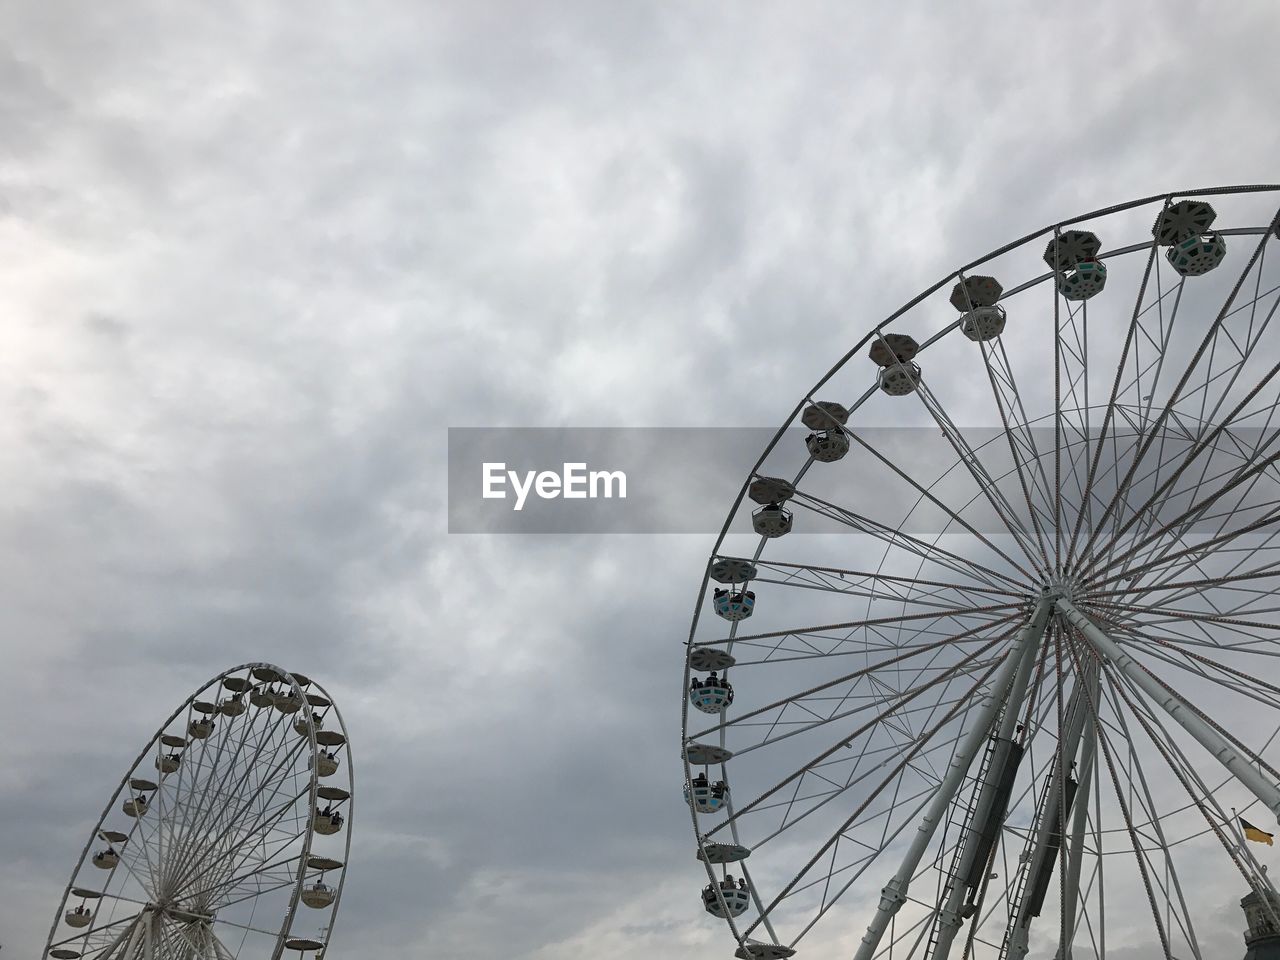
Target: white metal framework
<point x="1000" y="689"/>
<point x="227" y="837"/>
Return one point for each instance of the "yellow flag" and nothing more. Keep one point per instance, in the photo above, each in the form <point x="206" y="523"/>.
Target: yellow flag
<point x="1253" y="833"/>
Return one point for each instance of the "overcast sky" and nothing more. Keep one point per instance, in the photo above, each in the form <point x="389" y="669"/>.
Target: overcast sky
<point x="256" y="258"/>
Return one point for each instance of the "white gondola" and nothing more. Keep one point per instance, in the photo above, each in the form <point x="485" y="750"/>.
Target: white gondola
<point x="135" y="806"/>
<point x="1085" y="281"/>
<point x="732" y="900"/>
<point x="327" y="822"/>
<point x="827" y="446"/>
<point x="711" y="695"/>
<point x="706" y="797"/>
<point x="286" y="701"/>
<point x="888" y="349"/>
<point x="303" y="728"/>
<point x="169" y="762"/>
<point x="78" y="917"/>
<point x="1197" y="255"/>
<point x="1073" y="256"/>
<point x="983" y="323"/>
<point x="976" y="291"/>
<point x="106" y="859"/>
<point x="733" y="605"/>
<point x="200" y="729"/>
<point x="326" y="764"/>
<point x="772" y="520"/>
<point x="262" y="697"/>
<point x="318" y="895"/>
<point x="899" y="379"/>
<point x="233" y="705"/>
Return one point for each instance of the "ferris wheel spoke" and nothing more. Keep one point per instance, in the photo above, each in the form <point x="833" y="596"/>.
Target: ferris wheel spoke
<point x="1030" y="542"/>
<point x="1109" y="413"/>
<point x="253" y="844"/>
<point x="852" y="678"/>
<point x="845" y="742"/>
<point x="1211" y="340"/>
<point x="875" y="586"/>
<point x="1152" y="508"/>
<point x="1022" y="446"/>
<point x="875" y="792"/>
<point x="225" y="843"/>
<point x="239" y="801"/>
<point x="1185" y="924"/>
<point x="926" y="494"/>
<point x="895" y="538"/>
<point x="987" y="615"/>
<point x="210" y="797"/>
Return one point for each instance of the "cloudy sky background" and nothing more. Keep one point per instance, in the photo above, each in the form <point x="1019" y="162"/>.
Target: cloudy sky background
<point x="255" y="261"/>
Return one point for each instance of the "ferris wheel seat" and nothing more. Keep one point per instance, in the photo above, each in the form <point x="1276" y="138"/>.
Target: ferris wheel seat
<point x="286" y="702"/>
<point x="327" y="765"/>
<point x="200" y="729"/>
<point x="707" y="797"/>
<point x="827" y="446"/>
<point x="976" y="291"/>
<point x="1186" y="218"/>
<point x="723" y="852"/>
<point x="261" y="697"/>
<point x="1197" y="255"/>
<point x="303" y="728"/>
<point x="134" y="806"/>
<point x="772" y="520"/>
<point x="168" y="763"/>
<point x="1086" y="280"/>
<point x="233" y="706"/>
<point x="1067" y="250"/>
<point x="78" y="917"/>
<point x="734" y="605"/>
<point x="983" y="323"/>
<point x="710" y="658"/>
<point x="318" y="895"/>
<point x="734" y="904"/>
<point x="326" y="824"/>
<point x="899" y="379"/>
<point x="106" y="859"/>
<point x="732" y="570"/>
<point x="711" y="699"/>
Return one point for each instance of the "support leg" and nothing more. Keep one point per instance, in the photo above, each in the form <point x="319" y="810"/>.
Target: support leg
<point x="894" y="893"/>
<point x="1257" y="784"/>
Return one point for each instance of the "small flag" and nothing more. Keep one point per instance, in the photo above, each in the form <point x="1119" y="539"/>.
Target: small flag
<point x="1253" y="833"/>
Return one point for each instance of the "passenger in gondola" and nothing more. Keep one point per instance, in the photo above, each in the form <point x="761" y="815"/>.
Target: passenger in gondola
<point x="700" y="781"/>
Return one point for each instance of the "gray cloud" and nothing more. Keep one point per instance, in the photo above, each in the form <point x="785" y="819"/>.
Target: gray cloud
<point x="255" y="263"/>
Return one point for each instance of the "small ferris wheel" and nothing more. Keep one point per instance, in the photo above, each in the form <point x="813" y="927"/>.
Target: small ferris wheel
<point x="228" y="836"/>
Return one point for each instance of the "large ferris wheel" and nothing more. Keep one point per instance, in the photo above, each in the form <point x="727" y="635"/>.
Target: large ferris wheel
<point x="227" y="837"/>
<point x="988" y="667"/>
